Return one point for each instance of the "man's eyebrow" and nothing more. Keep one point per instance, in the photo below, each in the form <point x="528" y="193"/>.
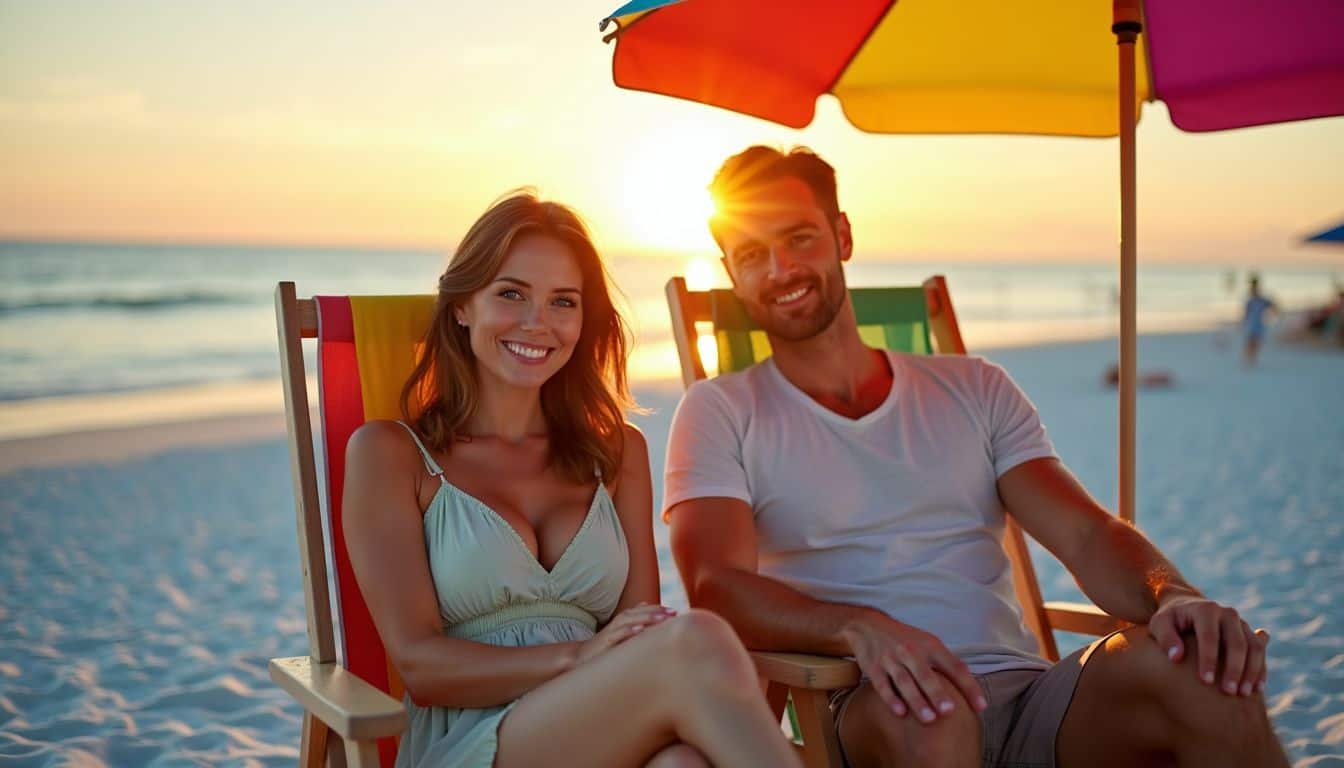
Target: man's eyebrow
<point x="525" y="284"/>
<point x="793" y="228"/>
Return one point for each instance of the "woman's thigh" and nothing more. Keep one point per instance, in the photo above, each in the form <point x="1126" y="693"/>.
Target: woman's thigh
<point x="617" y="710"/>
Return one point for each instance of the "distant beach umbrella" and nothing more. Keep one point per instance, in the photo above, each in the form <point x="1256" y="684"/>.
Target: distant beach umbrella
<point x="989" y="66"/>
<point x="1334" y="236"/>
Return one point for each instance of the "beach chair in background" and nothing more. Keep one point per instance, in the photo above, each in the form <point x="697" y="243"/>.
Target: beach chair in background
<point x="908" y="319"/>
<point x="366" y="347"/>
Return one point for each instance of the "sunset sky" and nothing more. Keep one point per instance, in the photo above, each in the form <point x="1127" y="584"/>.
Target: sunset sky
<point x="396" y="123"/>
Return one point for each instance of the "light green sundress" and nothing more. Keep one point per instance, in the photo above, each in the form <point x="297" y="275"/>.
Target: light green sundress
<point x="491" y="589"/>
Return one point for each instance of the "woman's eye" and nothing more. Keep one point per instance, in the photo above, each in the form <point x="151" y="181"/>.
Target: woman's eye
<point x="511" y="293"/>
<point x="565" y="301"/>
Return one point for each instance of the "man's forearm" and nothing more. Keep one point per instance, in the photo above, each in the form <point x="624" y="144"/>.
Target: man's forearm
<point x="770" y="616"/>
<point x="1124" y="574"/>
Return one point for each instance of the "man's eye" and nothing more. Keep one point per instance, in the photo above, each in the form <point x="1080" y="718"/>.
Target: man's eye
<point x="750" y="256"/>
<point x="802" y="239"/>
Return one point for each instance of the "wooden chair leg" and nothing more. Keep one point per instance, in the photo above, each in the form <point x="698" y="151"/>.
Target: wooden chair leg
<point x="361" y="754"/>
<point x="821" y="745"/>
<point x="313" y="743"/>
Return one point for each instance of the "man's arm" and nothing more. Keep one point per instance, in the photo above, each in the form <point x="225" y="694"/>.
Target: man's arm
<point x="1126" y="576"/>
<point x="714" y="543"/>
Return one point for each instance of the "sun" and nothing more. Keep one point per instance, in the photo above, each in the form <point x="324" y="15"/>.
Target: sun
<point x="663" y="199"/>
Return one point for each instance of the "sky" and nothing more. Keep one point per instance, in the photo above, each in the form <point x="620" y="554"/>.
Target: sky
<point x="396" y="124"/>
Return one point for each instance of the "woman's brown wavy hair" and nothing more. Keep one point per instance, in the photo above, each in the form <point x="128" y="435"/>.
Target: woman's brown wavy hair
<point x="584" y="403"/>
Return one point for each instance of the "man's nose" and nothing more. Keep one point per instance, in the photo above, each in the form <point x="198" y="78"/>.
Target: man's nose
<point x="781" y="261"/>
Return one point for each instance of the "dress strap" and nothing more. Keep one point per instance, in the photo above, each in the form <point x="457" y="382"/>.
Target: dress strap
<point x="430" y="464"/>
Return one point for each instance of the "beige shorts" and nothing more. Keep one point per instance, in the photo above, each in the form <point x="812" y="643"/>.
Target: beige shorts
<point x="1026" y="708"/>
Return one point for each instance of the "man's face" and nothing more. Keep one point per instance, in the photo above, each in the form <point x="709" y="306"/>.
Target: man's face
<point x="784" y="255"/>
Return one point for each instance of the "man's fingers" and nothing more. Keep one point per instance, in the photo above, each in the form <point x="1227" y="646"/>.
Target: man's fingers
<point x="882" y="684"/>
<point x="1262" y="637"/>
<point x="1163" y="629"/>
<point x="960" y="675"/>
<point x="1206" y="633"/>
<point x="1255" y="661"/>
<point x="1234" y="641"/>
<point x="914" y="698"/>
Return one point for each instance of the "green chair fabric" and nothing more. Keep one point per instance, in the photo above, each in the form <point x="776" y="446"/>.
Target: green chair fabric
<point x="890" y="318"/>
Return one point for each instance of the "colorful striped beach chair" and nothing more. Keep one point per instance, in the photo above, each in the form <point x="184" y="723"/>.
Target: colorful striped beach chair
<point x="366" y="347"/>
<point x="918" y="320"/>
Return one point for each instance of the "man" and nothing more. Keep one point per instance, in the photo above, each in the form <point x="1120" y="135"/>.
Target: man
<point x="843" y="500"/>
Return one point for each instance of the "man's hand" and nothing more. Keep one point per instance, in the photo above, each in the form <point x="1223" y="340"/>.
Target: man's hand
<point x="910" y="669"/>
<point x="1219" y="630"/>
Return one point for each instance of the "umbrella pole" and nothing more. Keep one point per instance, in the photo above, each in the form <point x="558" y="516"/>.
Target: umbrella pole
<point x="1126" y="27"/>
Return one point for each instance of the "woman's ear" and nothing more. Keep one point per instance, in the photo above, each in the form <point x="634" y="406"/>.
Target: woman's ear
<point x="460" y="315"/>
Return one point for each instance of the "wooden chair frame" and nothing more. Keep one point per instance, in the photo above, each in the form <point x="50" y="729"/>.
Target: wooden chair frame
<point x="344" y="716"/>
<point x="808" y="679"/>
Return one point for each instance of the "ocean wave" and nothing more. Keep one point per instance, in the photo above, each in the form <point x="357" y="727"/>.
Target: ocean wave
<point x="129" y="301"/>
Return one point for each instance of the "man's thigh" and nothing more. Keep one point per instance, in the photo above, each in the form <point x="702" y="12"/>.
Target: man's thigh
<point x="1026" y="708"/>
<point x="871" y="734"/>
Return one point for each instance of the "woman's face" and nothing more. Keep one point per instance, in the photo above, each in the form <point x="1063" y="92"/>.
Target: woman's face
<point x="524" y="324"/>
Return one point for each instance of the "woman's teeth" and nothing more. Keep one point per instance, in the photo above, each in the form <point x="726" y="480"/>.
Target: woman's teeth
<point x="526" y="350"/>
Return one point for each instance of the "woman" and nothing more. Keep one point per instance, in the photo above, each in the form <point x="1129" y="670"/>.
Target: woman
<point x="502" y="534"/>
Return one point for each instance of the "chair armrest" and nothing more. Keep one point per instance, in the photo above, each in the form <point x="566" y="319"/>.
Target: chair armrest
<point x="351" y="707"/>
<point x="801" y="670"/>
<point x="1085" y="618"/>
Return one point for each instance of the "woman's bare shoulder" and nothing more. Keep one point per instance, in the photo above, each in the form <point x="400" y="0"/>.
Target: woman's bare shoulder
<point x="381" y="443"/>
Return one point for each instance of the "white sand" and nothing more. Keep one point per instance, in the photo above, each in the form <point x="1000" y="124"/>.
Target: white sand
<point x="147" y="573"/>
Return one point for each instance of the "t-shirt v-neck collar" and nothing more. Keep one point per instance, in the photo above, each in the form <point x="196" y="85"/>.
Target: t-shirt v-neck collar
<point x="823" y="412"/>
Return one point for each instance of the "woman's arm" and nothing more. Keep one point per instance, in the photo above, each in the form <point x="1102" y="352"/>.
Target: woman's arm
<point x="634" y="507"/>
<point x="384" y="535"/>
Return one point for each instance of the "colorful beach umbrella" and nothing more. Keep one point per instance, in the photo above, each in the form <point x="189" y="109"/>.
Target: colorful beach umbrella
<point x="1332" y="236"/>
<point x="1052" y="67"/>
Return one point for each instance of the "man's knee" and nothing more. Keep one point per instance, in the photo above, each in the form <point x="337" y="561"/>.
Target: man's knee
<point x="871" y="735"/>
<point x="1135" y="669"/>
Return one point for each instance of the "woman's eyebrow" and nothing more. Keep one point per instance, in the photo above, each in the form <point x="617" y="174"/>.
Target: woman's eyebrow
<point x="525" y="284"/>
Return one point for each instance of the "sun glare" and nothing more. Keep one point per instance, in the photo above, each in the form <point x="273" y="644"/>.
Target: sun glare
<point x="702" y="274"/>
<point x="663" y="196"/>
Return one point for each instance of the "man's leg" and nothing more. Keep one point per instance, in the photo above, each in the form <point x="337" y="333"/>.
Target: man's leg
<point x="1134" y="706"/>
<point x="872" y="735"/>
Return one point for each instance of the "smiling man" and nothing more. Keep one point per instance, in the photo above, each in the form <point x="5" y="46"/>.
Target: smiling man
<point x="845" y="500"/>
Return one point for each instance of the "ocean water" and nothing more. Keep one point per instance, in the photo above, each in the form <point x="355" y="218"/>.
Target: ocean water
<point x="81" y="318"/>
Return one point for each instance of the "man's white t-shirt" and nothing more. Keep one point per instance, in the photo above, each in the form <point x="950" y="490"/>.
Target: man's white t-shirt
<point x="897" y="510"/>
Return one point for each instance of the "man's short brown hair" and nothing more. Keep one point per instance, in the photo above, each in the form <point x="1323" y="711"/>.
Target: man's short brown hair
<point x="758" y="164"/>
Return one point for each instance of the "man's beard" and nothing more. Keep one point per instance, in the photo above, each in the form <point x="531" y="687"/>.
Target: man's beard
<point x="831" y="297"/>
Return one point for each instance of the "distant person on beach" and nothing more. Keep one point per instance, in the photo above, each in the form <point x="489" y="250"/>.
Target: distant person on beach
<point x="1147" y="379"/>
<point x="850" y="501"/>
<point x="1253" y="320"/>
<point x="501" y="533"/>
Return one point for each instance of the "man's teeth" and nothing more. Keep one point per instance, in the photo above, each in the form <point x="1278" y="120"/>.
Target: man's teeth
<point x="791" y="296"/>
<point x="526" y="350"/>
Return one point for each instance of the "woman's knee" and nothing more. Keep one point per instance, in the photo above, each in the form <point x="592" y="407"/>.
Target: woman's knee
<point x="704" y="646"/>
<point x="678" y="756"/>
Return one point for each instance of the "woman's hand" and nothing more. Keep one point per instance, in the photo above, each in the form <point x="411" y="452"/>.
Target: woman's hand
<point x="622" y="627"/>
